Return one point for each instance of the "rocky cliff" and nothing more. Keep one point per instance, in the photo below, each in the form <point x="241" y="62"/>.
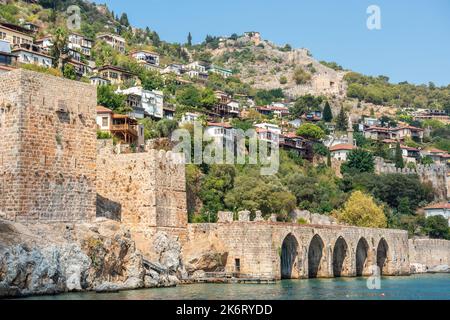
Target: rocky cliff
<point x="51" y="259"/>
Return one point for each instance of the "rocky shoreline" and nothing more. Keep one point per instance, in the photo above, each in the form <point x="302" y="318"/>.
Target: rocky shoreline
<point x="100" y="257"/>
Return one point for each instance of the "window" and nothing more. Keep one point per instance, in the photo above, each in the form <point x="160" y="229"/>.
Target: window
<point x="2" y="35"/>
<point x="104" y="121"/>
<point x="237" y="265"/>
<point x="36" y="60"/>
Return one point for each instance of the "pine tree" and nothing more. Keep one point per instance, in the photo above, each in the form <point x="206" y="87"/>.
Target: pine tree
<point x="342" y="121"/>
<point x="189" y="39"/>
<point x="327" y="114"/>
<point x="155" y="39"/>
<point x="399" y="163"/>
<point x="124" y="20"/>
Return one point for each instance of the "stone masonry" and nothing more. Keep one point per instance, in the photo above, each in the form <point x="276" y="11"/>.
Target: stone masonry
<point x="47" y="148"/>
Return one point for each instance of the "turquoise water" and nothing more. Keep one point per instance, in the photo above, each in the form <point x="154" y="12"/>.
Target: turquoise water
<point x="418" y="287"/>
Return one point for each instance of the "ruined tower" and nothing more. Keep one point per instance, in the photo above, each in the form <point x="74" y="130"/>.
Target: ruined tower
<point x="47" y="148"/>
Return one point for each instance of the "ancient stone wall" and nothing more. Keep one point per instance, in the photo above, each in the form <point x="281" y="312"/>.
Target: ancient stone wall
<point x="312" y="251"/>
<point x="47" y="147"/>
<point x="429" y="252"/>
<point x="435" y="174"/>
<point x="142" y="190"/>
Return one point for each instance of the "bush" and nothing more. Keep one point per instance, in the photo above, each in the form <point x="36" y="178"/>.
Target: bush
<point x="301" y="76"/>
<point x="283" y="80"/>
<point x="436" y="227"/>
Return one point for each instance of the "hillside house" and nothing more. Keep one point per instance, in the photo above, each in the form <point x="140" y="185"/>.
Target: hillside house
<point x="340" y="151"/>
<point x="99" y="81"/>
<point x="81" y="44"/>
<point x="440" y="115"/>
<point x="294" y="143"/>
<point x="145" y="103"/>
<point x="115" y="75"/>
<point x="116" y="42"/>
<point x="440" y="209"/>
<point x="8" y="61"/>
<point x="123" y="127"/>
<point x="15" y="34"/>
<point x="226" y="73"/>
<point x="438" y="156"/>
<point x="32" y="54"/>
<point x="399" y="134"/>
<point x="190" y="117"/>
<point x="221" y="134"/>
<point x="148" y="59"/>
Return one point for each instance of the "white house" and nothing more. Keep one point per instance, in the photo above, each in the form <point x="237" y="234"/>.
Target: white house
<point x="189" y="117"/>
<point x="32" y="54"/>
<point x="222" y="134"/>
<point x="149" y="59"/>
<point x="341" y="151"/>
<point x="440" y="209"/>
<point x="145" y="103"/>
<point x="99" y="81"/>
<point x="269" y="126"/>
<point x="115" y="41"/>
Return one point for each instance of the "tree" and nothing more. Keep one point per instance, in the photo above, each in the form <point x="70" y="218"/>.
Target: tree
<point x="208" y="99"/>
<point x="189" y="39"/>
<point x="59" y="48"/>
<point x="155" y="39"/>
<point x="124" y="20"/>
<point x="436" y="227"/>
<point x="189" y="96"/>
<point x="108" y="98"/>
<point x="301" y="76"/>
<point x="358" y="161"/>
<point x="311" y="131"/>
<point x="305" y="104"/>
<point x="399" y="163"/>
<point x="342" y="121"/>
<point x="152" y="80"/>
<point x="361" y="210"/>
<point x="327" y="114"/>
<point x="69" y="72"/>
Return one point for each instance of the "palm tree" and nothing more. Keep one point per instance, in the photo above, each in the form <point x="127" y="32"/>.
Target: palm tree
<point x="59" y="47"/>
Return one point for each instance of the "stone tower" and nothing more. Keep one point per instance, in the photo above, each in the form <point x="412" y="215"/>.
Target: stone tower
<point x="47" y="148"/>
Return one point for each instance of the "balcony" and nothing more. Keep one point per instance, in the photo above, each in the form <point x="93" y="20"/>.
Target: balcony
<point x="124" y="128"/>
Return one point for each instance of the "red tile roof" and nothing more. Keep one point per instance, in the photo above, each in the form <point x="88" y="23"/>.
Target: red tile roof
<point x="339" y="147"/>
<point x="220" y="124"/>
<point x="101" y="109"/>
<point x="444" y="205"/>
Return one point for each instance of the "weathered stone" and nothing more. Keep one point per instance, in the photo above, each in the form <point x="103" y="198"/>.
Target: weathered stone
<point x="439" y="269"/>
<point x="258" y="216"/>
<point x="225" y="217"/>
<point x="244" y="216"/>
<point x="273" y="218"/>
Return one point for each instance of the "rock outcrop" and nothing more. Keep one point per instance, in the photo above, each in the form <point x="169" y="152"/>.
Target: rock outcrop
<point x="88" y="257"/>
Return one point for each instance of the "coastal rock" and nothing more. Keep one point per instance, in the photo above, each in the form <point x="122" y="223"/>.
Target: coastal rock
<point x="169" y="251"/>
<point x="418" y="268"/>
<point x="439" y="269"/>
<point x="108" y="287"/>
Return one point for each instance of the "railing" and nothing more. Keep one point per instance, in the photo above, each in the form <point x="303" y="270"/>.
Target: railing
<point x="124" y="127"/>
<point x="238" y="275"/>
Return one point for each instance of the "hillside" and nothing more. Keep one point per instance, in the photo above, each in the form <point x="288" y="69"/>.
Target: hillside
<point x="267" y="66"/>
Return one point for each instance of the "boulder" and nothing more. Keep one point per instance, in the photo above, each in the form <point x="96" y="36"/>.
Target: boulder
<point x="439" y="269"/>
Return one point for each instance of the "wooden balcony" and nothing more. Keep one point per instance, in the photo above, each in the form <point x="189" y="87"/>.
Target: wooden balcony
<point x="124" y="128"/>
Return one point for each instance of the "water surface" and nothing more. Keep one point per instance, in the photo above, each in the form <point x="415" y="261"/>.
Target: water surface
<point x="417" y="287"/>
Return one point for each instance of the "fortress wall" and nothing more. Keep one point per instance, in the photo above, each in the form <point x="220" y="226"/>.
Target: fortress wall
<point x="258" y="246"/>
<point x="429" y="252"/>
<point x="47" y="169"/>
<point x="146" y="191"/>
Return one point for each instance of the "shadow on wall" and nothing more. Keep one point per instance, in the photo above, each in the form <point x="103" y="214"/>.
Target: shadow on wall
<point x="108" y="209"/>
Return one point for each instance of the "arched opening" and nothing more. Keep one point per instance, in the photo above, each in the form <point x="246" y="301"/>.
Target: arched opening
<point x="315" y="254"/>
<point x="382" y="255"/>
<point x="289" y="252"/>
<point x="362" y="252"/>
<point x="340" y="254"/>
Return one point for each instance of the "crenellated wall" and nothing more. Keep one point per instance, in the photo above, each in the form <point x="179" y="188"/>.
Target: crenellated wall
<point x="429" y="252"/>
<point x="435" y="174"/>
<point x="47" y="148"/>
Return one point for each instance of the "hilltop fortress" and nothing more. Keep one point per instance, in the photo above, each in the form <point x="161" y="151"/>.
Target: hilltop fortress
<point x="53" y="171"/>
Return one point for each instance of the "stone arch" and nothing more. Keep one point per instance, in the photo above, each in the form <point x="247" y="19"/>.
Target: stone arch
<point x="316" y="257"/>
<point x="362" y="258"/>
<point x="289" y="255"/>
<point x="341" y="258"/>
<point x="382" y="255"/>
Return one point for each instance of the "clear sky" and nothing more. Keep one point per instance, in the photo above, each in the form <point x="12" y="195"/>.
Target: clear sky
<point x="413" y="43"/>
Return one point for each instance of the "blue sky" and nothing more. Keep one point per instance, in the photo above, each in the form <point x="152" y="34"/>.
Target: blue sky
<point x="413" y="44"/>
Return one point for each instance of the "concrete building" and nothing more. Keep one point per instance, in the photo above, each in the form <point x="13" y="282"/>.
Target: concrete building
<point x="81" y="44"/>
<point x="115" y="75"/>
<point x="32" y="54"/>
<point x="15" y="34"/>
<point x="221" y="134"/>
<point x="8" y="61"/>
<point x="149" y="59"/>
<point x="226" y="73"/>
<point x="144" y="103"/>
<point x="116" y="42"/>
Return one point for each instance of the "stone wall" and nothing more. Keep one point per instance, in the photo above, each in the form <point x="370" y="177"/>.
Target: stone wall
<point x="435" y="174"/>
<point x="258" y="248"/>
<point x="429" y="253"/>
<point x="47" y="148"/>
<point x="146" y="191"/>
